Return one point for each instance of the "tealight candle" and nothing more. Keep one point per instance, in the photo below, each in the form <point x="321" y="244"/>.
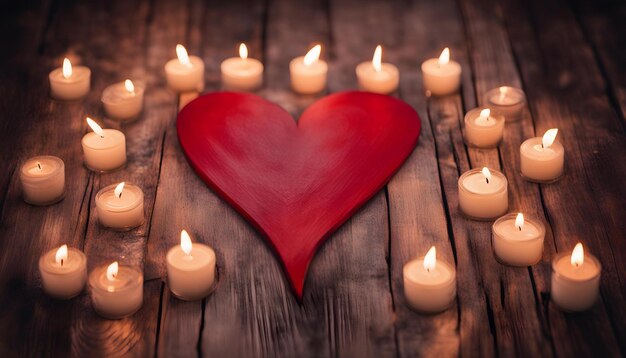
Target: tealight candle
<point x="575" y="280"/>
<point x="429" y="284"/>
<point x="542" y="158"/>
<point x="483" y="194"/>
<point x="242" y="73"/>
<point x="123" y="100"/>
<point x="190" y="269"/>
<point x="69" y="83"/>
<point x="308" y="73"/>
<point x="104" y="149"/>
<point x="43" y="180"/>
<point x="441" y="76"/>
<point x="377" y="76"/>
<point x="120" y="207"/>
<point x="483" y="128"/>
<point x="63" y="272"/>
<point x="509" y="101"/>
<point x="517" y="241"/>
<point x="185" y="73"/>
<point x="116" y="291"/>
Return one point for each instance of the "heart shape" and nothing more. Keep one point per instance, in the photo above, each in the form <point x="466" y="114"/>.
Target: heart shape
<point x="297" y="182"/>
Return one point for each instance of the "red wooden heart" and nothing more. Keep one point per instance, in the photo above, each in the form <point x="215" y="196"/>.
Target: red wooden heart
<point x="297" y="183"/>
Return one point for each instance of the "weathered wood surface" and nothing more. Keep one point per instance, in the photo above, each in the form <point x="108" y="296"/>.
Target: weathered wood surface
<point x="566" y="56"/>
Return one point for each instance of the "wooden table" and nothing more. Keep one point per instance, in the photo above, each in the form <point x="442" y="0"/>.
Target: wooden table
<point x="567" y="56"/>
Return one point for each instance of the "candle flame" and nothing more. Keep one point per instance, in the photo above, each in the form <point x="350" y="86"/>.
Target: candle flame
<point x="185" y="242"/>
<point x="243" y="51"/>
<point x="377" y="59"/>
<point x="112" y="271"/>
<point x="130" y="87"/>
<point x="503" y="91"/>
<point x="444" y="58"/>
<point x="67" y="68"/>
<point x="485" y="113"/>
<point x="61" y="255"/>
<point x="549" y="137"/>
<point x="313" y="55"/>
<point x="486" y="174"/>
<point x="183" y="57"/>
<point x="95" y="127"/>
<point x="118" y="189"/>
<point x="430" y="260"/>
<point x="578" y="255"/>
<point x="519" y="221"/>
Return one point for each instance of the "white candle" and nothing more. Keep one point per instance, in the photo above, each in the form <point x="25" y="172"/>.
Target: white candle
<point x="509" y="101"/>
<point x="116" y="291"/>
<point x="104" y="149"/>
<point x="441" y="76"/>
<point x="377" y="76"/>
<point x="483" y="194"/>
<point x="43" y="180"/>
<point x="429" y="284"/>
<point x="518" y="241"/>
<point x="69" y="83"/>
<point x="575" y="280"/>
<point x="542" y="158"/>
<point x="185" y="73"/>
<point x="242" y="73"/>
<point x="63" y="272"/>
<point x="190" y="269"/>
<point x="308" y="73"/>
<point x="120" y="207"/>
<point x="123" y="100"/>
<point x="483" y="128"/>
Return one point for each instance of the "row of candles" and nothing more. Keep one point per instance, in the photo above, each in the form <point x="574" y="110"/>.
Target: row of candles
<point x="430" y="285"/>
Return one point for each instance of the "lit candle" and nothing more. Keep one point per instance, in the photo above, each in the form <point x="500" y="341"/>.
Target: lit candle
<point x="63" y="272"/>
<point x="483" y="128"/>
<point x="441" y="75"/>
<point x="242" y="73"/>
<point x="69" y="83"/>
<point x="308" y="73"/>
<point x="518" y="241"/>
<point x="429" y="284"/>
<point x="123" y="100"/>
<point x="542" y="158"/>
<point x="116" y="291"/>
<point x="104" y="149"/>
<point x="575" y="280"/>
<point x="190" y="269"/>
<point x="377" y="76"/>
<point x="120" y="207"/>
<point x="185" y="73"/>
<point x="43" y="180"/>
<point x="483" y="194"/>
<point x="509" y="101"/>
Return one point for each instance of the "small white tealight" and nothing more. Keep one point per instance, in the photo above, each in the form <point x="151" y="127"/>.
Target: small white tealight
<point x="120" y="207"/>
<point x="441" y="76"/>
<point x="190" y="269"/>
<point x="104" y="149"/>
<point x="43" y="180"/>
<point x="69" y="83"/>
<point x="377" y="76"/>
<point x="185" y="73"/>
<point x="63" y="272"/>
<point x="242" y="73"/>
<point x="123" y="101"/>
<point x="518" y="241"/>
<point x="483" y="194"/>
<point x="308" y="73"/>
<point x="483" y="128"/>
<point x="542" y="158"/>
<point x="116" y="290"/>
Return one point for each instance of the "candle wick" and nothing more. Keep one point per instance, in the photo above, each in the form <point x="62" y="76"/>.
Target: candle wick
<point x="62" y="262"/>
<point x="520" y="228"/>
<point x="487" y="179"/>
<point x="120" y="196"/>
<point x="39" y="166"/>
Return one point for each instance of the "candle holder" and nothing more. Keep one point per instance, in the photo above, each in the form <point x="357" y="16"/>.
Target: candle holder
<point x="124" y="216"/>
<point x="483" y="206"/>
<point x="541" y="165"/>
<point x="519" y="251"/>
<point x="509" y="101"/>
<point x="63" y="282"/>
<point x="120" y="299"/>
<point x="43" y="180"/>
<point x="104" y="153"/>
<point x="425" y="297"/>
<point x="123" y="105"/>
<point x="574" y="295"/>
<point x="484" y="133"/>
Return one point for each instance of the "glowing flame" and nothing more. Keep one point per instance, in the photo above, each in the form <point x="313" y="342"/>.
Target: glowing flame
<point x="95" y="127"/>
<point x="485" y="113"/>
<point x="243" y="51"/>
<point x="67" y="68"/>
<point x="112" y="271"/>
<point x="486" y="174"/>
<point x="578" y="255"/>
<point x="503" y="91"/>
<point x="549" y="137"/>
<point x="185" y="242"/>
<point x="118" y="189"/>
<point x="430" y="260"/>
<point x="377" y="59"/>
<point x="313" y="55"/>
<point x="61" y="255"/>
<point x="444" y="58"/>
<point x="183" y="57"/>
<point x="130" y="87"/>
<point x="519" y="221"/>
